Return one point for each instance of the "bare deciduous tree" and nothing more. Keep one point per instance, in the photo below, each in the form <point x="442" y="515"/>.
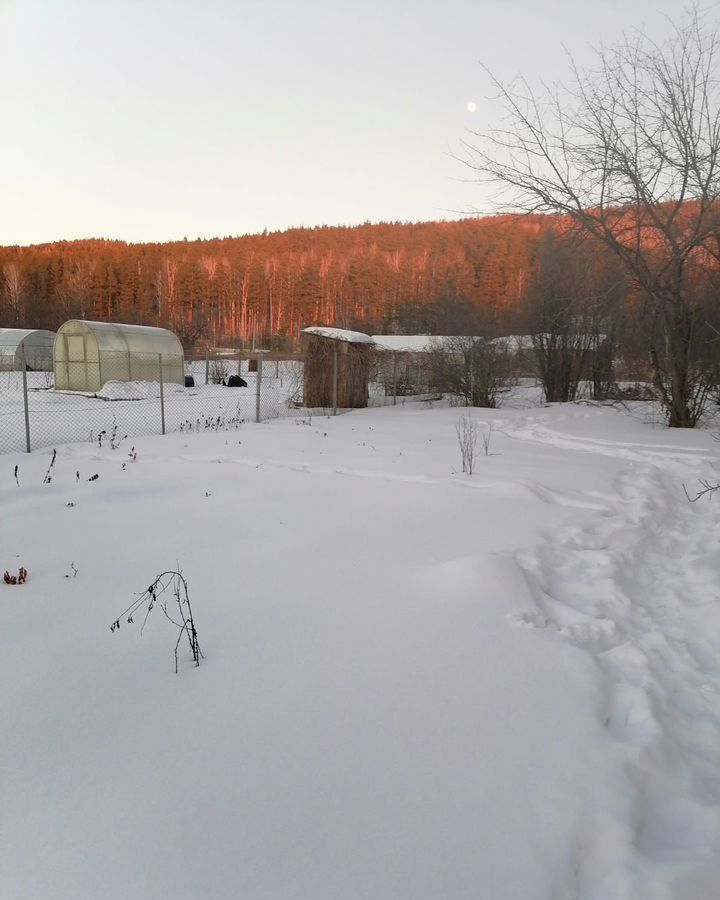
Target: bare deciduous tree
<point x="291" y="380"/>
<point x="569" y="305"/>
<point x="75" y="295"/>
<point x="629" y="153"/>
<point x="471" y="369"/>
<point x="467" y="435"/>
<point x="219" y="370"/>
<point x="15" y="291"/>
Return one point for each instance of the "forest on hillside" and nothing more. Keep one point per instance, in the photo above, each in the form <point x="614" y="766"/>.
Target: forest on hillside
<point x="391" y="277"/>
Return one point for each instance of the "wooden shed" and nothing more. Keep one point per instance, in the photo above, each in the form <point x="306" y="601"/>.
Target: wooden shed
<point x="330" y="350"/>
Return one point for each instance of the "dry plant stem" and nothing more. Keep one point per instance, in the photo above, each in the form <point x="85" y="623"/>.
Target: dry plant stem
<point x="48" y="475"/>
<point x="706" y="488"/>
<point x="174" y="581"/>
<point x="486" y="439"/>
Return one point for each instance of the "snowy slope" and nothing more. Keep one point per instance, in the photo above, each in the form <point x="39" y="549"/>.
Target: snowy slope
<point x="416" y="684"/>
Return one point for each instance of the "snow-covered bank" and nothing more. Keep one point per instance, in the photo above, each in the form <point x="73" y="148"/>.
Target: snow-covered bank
<point x="416" y="684"/>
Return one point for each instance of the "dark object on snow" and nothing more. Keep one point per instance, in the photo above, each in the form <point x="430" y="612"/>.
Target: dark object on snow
<point x="252" y="365"/>
<point x="189" y="381"/>
<point x="236" y="381"/>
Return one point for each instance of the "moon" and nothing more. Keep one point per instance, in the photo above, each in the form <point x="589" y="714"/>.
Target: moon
<point x="471" y="106"/>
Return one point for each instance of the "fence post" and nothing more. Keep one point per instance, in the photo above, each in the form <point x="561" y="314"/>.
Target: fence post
<point x="394" y="378"/>
<point x="258" y="383"/>
<point x="335" y="379"/>
<point x="25" y="399"/>
<point x="207" y="367"/>
<point x="162" y="395"/>
<point x="472" y="372"/>
<point x="239" y="362"/>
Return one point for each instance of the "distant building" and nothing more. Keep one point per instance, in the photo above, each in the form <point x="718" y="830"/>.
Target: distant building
<point x="403" y="361"/>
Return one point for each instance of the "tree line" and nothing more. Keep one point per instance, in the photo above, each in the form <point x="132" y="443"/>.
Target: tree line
<point x="269" y="286"/>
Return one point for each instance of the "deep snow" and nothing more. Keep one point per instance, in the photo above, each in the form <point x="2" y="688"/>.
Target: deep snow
<point x="416" y="684"/>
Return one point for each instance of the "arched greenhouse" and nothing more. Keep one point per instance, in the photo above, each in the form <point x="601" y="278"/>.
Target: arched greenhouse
<point x="35" y="345"/>
<point x="89" y="354"/>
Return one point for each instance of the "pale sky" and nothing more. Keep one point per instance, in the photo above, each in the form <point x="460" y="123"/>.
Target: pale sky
<point x="153" y="120"/>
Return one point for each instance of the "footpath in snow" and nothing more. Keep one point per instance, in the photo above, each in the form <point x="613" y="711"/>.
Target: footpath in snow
<point x="416" y="684"/>
<point x="639" y="589"/>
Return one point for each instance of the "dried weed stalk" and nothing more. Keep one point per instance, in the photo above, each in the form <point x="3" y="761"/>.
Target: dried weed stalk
<point x="168" y="587"/>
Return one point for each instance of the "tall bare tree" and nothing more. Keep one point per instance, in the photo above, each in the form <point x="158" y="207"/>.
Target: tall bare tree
<point x="629" y="153"/>
<point x="15" y="285"/>
<point x="569" y="304"/>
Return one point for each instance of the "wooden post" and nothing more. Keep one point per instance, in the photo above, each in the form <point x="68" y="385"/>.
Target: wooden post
<point x="472" y="372"/>
<point x="258" y="383"/>
<point x="335" y="379"/>
<point x="394" y="378"/>
<point x="162" y="395"/>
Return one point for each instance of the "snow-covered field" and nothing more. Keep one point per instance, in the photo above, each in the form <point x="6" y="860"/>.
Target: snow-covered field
<point x="416" y="683"/>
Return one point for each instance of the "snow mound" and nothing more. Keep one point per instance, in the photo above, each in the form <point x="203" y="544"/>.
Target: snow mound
<point x="134" y="390"/>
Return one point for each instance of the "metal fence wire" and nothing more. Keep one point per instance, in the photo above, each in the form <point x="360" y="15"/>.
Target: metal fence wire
<point x="218" y="391"/>
<point x="213" y="393"/>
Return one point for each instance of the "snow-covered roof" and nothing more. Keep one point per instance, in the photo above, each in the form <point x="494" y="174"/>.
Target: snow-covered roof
<point x="419" y="343"/>
<point x="339" y="334"/>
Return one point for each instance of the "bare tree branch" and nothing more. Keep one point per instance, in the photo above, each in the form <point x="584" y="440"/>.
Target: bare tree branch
<point x="629" y="153"/>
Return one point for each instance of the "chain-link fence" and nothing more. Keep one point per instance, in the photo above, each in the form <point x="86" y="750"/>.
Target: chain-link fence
<point x="114" y="395"/>
<point x="117" y="395"/>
